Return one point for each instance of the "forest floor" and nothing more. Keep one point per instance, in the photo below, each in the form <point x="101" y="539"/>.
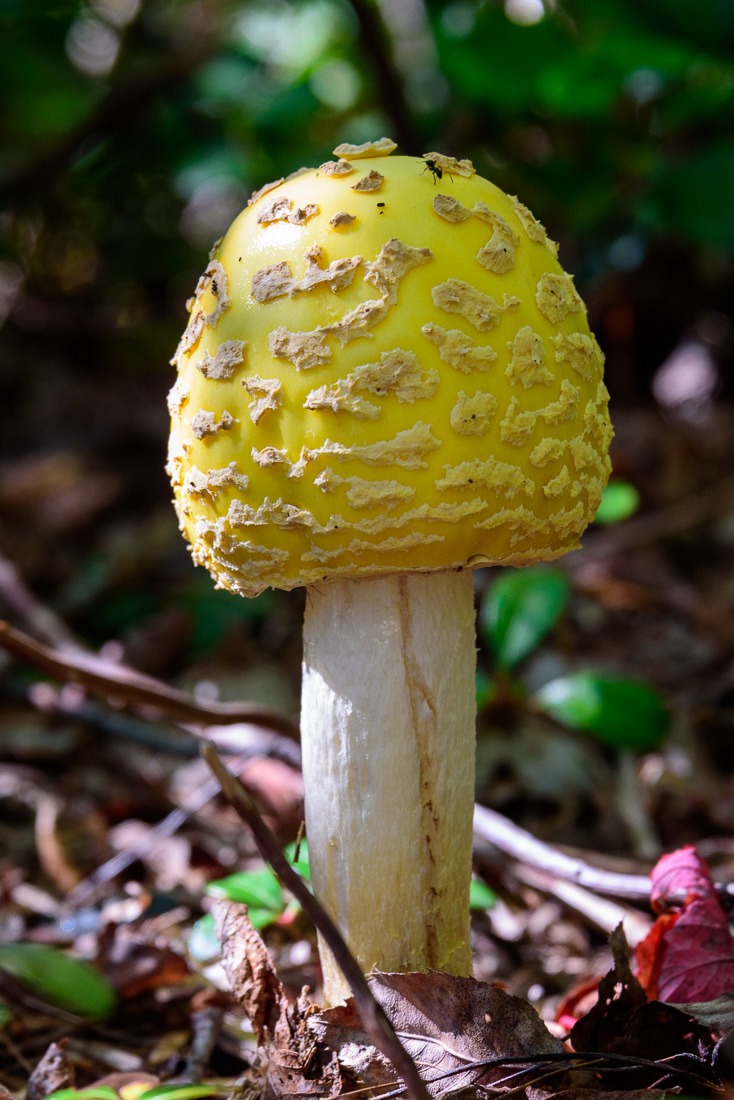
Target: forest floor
<point x="112" y="829"/>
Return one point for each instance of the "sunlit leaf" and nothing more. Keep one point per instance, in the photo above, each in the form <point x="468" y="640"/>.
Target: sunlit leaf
<point x="185" y="1092"/>
<point x="480" y="895"/>
<point x="100" y="1092"/>
<point x="519" y="610"/>
<point x="258" y="889"/>
<point x="69" y="983"/>
<point x="622" y="713"/>
<point x="619" y="501"/>
<point x="302" y="864"/>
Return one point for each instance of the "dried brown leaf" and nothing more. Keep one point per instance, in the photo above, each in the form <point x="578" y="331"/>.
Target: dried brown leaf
<point x="620" y="994"/>
<point x="623" y="1021"/>
<point x="53" y="1072"/>
<point x="252" y="976"/>
<point x="136" y="966"/>
<point x="451" y="1027"/>
<point x="297" y="1066"/>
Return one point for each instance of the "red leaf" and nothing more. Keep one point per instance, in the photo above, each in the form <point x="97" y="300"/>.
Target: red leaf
<point x="688" y="955"/>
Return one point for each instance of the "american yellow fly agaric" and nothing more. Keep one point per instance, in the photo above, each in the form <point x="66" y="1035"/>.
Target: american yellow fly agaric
<point x="386" y="381"/>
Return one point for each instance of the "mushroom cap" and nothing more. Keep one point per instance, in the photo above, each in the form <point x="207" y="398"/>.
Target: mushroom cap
<point x="385" y="369"/>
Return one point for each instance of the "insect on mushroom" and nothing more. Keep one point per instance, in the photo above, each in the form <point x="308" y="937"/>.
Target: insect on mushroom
<point x="435" y="169"/>
<point x="373" y="417"/>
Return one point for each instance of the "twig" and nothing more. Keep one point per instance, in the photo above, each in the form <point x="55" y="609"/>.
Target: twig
<point x="504" y="834"/>
<point x="374" y="1019"/>
<point x="376" y="45"/>
<point x="103" y="677"/>
<point x="51" y="854"/>
<point x="170" y="824"/>
<point x="632" y="808"/>
<point x="599" y="912"/>
<point x="40" y="620"/>
<point x="175" y="739"/>
<point x="166" y="827"/>
<point x="523" y="846"/>
<point x="206" y="1026"/>
<point x="563" y="1061"/>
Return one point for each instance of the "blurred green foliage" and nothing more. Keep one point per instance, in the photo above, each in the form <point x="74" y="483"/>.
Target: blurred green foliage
<point x="619" y="501"/>
<point x="132" y="133"/>
<point x="517" y="612"/>
<point x="620" y="712"/>
<point x="70" y="983"/>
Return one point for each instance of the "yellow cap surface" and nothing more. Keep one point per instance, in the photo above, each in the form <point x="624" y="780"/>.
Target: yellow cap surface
<point x="385" y="369"/>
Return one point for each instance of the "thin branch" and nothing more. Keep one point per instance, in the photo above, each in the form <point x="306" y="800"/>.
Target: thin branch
<point x="174" y="739"/>
<point x="561" y="1062"/>
<point x="85" y="890"/>
<point x="104" y="677"/>
<point x="524" y="847"/>
<point x="504" y="834"/>
<point x="599" y="912"/>
<point x="374" y="1019"/>
<point x="375" y="41"/>
<point x="40" y="620"/>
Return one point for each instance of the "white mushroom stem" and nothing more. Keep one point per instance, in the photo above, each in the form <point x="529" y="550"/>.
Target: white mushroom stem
<point x="388" y="730"/>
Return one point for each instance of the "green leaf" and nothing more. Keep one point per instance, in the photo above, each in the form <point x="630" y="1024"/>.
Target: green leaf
<point x="185" y="1092"/>
<point x="622" y="713"/>
<point x="619" y="501"/>
<point x="258" y="889"/>
<point x="519" y="610"/>
<point x="69" y="983"/>
<point x="480" y="895"/>
<point x="261" y="918"/>
<point x="101" y="1092"/>
<point x="302" y="864"/>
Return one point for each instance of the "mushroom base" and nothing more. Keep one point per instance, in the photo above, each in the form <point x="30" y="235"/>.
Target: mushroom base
<point x="388" y="731"/>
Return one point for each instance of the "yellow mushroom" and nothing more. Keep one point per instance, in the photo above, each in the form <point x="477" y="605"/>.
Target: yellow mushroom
<point x="383" y="385"/>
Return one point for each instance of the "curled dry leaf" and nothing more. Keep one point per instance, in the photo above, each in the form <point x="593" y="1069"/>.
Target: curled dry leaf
<point x="450" y="1026"/>
<point x="297" y="1066"/>
<point x="53" y="1072"/>
<point x="253" y="980"/>
<point x="688" y="954"/>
